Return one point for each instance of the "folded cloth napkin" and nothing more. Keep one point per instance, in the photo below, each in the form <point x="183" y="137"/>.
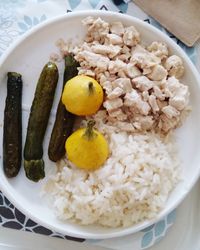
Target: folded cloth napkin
<point x="16" y="17"/>
<point x="181" y="18"/>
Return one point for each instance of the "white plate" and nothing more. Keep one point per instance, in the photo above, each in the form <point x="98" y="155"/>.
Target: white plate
<point x="28" y="57"/>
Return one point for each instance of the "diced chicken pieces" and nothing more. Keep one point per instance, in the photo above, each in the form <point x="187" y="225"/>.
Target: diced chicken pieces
<point x="170" y="111"/>
<point x="146" y="71"/>
<point x="143" y="122"/>
<point x="117" y="92"/>
<point x="146" y="122"/>
<point x="101" y="115"/>
<point x="125" y="54"/>
<point x="116" y="66"/>
<point x="102" y="78"/>
<point x="85" y="71"/>
<point x="178" y="102"/>
<point x="143" y="58"/>
<point x="126" y="50"/>
<point x="181" y="98"/>
<point x="87" y="46"/>
<point x="143" y="107"/>
<point x="121" y="74"/>
<point x="117" y="28"/>
<point x="114" y="39"/>
<point x="106" y="50"/>
<point x="97" y="29"/>
<point x="178" y="93"/>
<point x="158" y="93"/>
<point x="88" y="21"/>
<point x="142" y="92"/>
<point x="132" y="71"/>
<point x="142" y="83"/>
<point x="110" y="77"/>
<point x="113" y="104"/>
<point x="158" y="49"/>
<point x="145" y="95"/>
<point x="123" y="83"/>
<point x="161" y="104"/>
<point x="133" y="99"/>
<point x="125" y="126"/>
<point x="107" y="86"/>
<point x="171" y="86"/>
<point x="123" y="57"/>
<point x="93" y="60"/>
<point x="153" y="103"/>
<point x="158" y="73"/>
<point x="131" y="36"/>
<point x="166" y="124"/>
<point x="174" y="66"/>
<point x="118" y="114"/>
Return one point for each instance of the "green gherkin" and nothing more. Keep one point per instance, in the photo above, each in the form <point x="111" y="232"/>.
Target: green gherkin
<point x="64" y="121"/>
<point x="12" y="130"/>
<point x="38" y="120"/>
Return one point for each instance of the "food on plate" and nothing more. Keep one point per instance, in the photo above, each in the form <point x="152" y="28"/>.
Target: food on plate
<point x="87" y="148"/>
<point x="64" y="121"/>
<point x="174" y="65"/>
<point x="144" y="100"/>
<point x="12" y="130"/>
<point x="132" y="185"/>
<point x="82" y="95"/>
<point x="38" y="120"/>
<point x="141" y="82"/>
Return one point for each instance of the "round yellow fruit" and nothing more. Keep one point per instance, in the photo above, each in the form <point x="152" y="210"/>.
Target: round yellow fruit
<point x="82" y="95"/>
<point x="87" y="148"/>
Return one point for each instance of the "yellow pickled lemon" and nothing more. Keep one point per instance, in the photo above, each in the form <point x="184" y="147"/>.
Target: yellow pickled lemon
<point x="87" y="148"/>
<point x="82" y="95"/>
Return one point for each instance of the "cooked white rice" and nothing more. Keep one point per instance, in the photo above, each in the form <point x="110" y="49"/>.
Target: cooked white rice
<point x="133" y="184"/>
